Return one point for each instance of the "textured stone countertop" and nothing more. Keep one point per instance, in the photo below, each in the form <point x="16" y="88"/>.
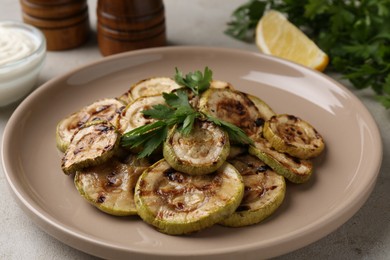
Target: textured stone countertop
<point x="198" y="22"/>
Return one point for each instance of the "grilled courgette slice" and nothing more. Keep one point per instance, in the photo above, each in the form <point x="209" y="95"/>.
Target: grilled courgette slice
<point x="292" y="135"/>
<point x="132" y="116"/>
<point x="177" y="203"/>
<point x="203" y="151"/>
<point x="92" y="144"/>
<point x="264" y="192"/>
<point x="231" y="106"/>
<point x="110" y="186"/>
<point x="108" y="109"/>
<point x="293" y="169"/>
<point x="153" y="86"/>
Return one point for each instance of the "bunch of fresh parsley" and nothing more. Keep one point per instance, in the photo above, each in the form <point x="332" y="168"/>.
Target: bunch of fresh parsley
<point x="355" y="34"/>
<point x="177" y="111"/>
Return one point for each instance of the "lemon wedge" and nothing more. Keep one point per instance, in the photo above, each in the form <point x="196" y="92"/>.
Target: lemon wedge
<point x="276" y="36"/>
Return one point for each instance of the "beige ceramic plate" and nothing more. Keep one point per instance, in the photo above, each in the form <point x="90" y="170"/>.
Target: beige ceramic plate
<point x="344" y="177"/>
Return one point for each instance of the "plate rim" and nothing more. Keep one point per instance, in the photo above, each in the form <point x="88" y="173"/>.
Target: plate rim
<point x="60" y="232"/>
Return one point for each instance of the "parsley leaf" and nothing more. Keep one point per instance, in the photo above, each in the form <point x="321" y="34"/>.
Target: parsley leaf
<point x="177" y="100"/>
<point x="188" y="123"/>
<point x="195" y="81"/>
<point x="159" y="112"/>
<point x="148" y="136"/>
<point x="235" y="133"/>
<point x="244" y="20"/>
<point x="154" y="140"/>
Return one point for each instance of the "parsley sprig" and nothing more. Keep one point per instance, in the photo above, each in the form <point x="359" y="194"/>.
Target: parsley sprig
<point x="177" y="111"/>
<point x="195" y="81"/>
<point x="355" y="34"/>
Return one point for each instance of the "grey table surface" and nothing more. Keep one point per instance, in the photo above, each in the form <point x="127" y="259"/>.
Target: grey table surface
<point x="198" y="22"/>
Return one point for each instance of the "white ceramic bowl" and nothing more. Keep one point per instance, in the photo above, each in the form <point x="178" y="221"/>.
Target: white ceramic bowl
<point x="22" y="53"/>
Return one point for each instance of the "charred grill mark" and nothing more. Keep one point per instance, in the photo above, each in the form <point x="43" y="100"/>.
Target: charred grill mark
<point x="296" y="160"/>
<point x="262" y="169"/>
<point x="316" y="134"/>
<point x="112" y="180"/>
<point x="94" y="119"/>
<point x="232" y="106"/>
<point x="146" y="117"/>
<point x="103" y="129"/>
<point x="173" y="175"/>
<point x="292" y="118"/>
<point x="64" y="160"/>
<point x="222" y="141"/>
<point x="106" y="112"/>
<point x="288" y="132"/>
<point x="110" y="117"/>
<point x="179" y="206"/>
<point x="83" y="120"/>
<point x="250" y="165"/>
<point x="80" y="123"/>
<point x="207" y="187"/>
<point x="259" y="122"/>
<point x="101" y="108"/>
<point x="169" y="171"/>
<point x="272" y="187"/>
<point x="78" y="150"/>
<point x="242" y="208"/>
<point x="240" y="109"/>
<point x="119" y="109"/>
<point x="107" y="147"/>
<point x="253" y="191"/>
<point x="101" y="198"/>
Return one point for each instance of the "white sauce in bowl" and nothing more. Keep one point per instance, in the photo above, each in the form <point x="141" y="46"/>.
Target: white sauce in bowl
<point x="15" y="44"/>
<point x="22" y="53"/>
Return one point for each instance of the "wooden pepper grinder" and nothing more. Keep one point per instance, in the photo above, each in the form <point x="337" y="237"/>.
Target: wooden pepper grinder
<point x="65" y="23"/>
<point x="124" y="25"/>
